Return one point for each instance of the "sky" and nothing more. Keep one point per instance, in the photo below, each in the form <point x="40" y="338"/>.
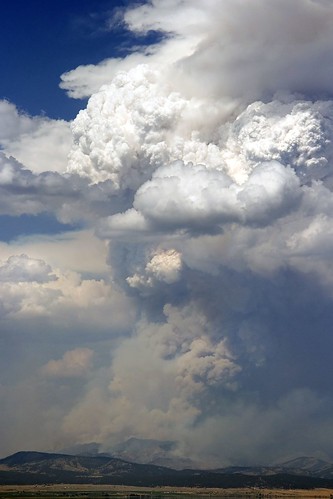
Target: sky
<point x="166" y="279"/>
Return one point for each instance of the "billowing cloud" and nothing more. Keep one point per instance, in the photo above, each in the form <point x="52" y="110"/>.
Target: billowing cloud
<point x="185" y="196"/>
<point x="227" y="170"/>
<point x="21" y="268"/>
<point x="164" y="266"/>
<point x="204" y="165"/>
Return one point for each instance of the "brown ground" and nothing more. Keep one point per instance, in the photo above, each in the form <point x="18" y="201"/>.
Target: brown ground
<point x="74" y="490"/>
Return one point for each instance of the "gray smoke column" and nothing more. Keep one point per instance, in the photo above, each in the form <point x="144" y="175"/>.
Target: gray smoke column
<point x="221" y="152"/>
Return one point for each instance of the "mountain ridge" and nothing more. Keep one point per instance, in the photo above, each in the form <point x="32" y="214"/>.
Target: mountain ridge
<point x="27" y="467"/>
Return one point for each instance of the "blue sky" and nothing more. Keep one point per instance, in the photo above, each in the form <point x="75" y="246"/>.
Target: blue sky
<point x="41" y="40"/>
<point x="166" y="252"/>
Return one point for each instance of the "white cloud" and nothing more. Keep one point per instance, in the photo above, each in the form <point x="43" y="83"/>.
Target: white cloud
<point x="294" y="132"/>
<point x="30" y="289"/>
<point x="14" y="123"/>
<point x="41" y="144"/>
<point x="210" y="177"/>
<point x="227" y="48"/>
<point x="84" y="81"/>
<point x="164" y="266"/>
<point x="126" y="148"/>
<point x="21" y="268"/>
<point x="194" y="196"/>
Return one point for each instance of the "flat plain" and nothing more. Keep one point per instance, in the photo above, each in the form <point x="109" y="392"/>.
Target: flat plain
<point x="108" y="491"/>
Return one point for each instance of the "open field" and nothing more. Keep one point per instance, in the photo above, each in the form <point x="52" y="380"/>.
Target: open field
<point x="109" y="491"/>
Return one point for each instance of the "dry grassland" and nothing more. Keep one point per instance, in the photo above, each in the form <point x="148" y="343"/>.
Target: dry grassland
<point x="104" y="491"/>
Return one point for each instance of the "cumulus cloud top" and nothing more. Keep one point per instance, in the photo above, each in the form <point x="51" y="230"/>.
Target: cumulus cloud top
<point x="21" y="268"/>
<point x="139" y="134"/>
<point x="126" y="148"/>
<point x="194" y="196"/>
<point x="295" y="133"/>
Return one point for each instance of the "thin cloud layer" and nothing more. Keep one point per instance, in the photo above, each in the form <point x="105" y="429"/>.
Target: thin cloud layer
<point x="204" y="162"/>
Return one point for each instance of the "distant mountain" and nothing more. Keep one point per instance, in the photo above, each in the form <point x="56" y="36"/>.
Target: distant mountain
<point x="138" y="450"/>
<point x="90" y="449"/>
<point x="39" y="468"/>
<point x="303" y="466"/>
<point x="151" y="451"/>
<point x="164" y="453"/>
<point x="309" y="466"/>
